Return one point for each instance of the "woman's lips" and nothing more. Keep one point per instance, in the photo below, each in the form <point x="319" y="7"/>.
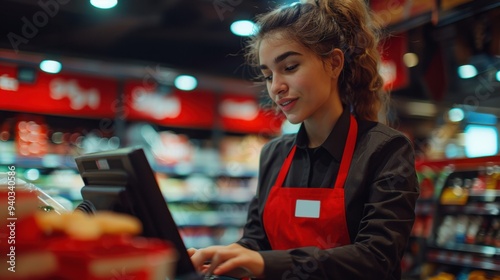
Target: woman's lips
<point x="287" y="105"/>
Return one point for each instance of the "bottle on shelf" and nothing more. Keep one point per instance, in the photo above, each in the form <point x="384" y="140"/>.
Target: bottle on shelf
<point x="479" y="183"/>
<point x="461" y="228"/>
<point x="446" y="230"/>
<point x="496" y="176"/>
<point x="472" y="231"/>
<point x="490" y="180"/>
<point x="481" y="234"/>
<point x="468" y="185"/>
<point x="489" y="239"/>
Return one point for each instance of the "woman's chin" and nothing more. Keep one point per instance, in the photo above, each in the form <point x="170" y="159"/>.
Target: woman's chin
<point x="293" y="119"/>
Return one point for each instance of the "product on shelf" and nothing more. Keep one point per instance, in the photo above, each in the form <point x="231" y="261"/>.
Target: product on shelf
<point x="492" y="233"/>
<point x="481" y="234"/>
<point x="31" y="137"/>
<point x="426" y="188"/>
<point x="241" y="152"/>
<point x="455" y="194"/>
<point x="473" y="229"/>
<point x="427" y="178"/>
<point x="446" y="231"/>
<point x="172" y="148"/>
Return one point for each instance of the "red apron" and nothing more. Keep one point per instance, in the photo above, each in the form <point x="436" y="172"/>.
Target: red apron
<point x="301" y="217"/>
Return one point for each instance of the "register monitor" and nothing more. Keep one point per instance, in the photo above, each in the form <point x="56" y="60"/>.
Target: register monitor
<point x="123" y="181"/>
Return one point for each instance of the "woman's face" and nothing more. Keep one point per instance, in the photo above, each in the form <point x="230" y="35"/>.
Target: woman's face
<point x="302" y="85"/>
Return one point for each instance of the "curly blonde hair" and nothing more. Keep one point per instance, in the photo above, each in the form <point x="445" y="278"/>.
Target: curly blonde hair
<point x="324" y="25"/>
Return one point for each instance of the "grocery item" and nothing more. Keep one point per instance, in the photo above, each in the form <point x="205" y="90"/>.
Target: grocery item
<point x="72" y="245"/>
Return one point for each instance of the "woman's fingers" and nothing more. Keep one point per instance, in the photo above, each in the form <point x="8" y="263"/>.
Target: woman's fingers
<point x="233" y="267"/>
<point x="233" y="260"/>
<point x="191" y="251"/>
<point x="201" y="256"/>
<point x="212" y="257"/>
<point x="204" y="269"/>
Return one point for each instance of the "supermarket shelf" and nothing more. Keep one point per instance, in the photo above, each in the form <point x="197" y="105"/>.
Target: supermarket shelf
<point x="486" y="203"/>
<point x="484" y="195"/>
<point x="476" y="208"/>
<point x="470" y="248"/>
<point x="463" y="260"/>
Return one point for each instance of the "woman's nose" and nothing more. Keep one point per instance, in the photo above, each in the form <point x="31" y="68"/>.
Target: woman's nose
<point x="278" y="85"/>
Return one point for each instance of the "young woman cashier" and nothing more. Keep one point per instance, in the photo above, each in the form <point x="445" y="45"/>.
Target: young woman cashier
<point x="336" y="200"/>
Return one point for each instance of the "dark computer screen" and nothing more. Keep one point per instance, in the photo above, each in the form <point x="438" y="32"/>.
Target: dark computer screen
<point x="123" y="181"/>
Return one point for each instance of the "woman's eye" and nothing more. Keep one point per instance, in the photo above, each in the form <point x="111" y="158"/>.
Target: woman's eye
<point x="290" y="68"/>
<point x="287" y="69"/>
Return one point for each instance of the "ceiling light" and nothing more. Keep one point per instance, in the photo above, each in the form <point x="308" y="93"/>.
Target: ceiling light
<point x="456" y="115"/>
<point x="243" y="28"/>
<point x="410" y="59"/>
<point x="498" y="76"/>
<point x="185" y="82"/>
<point x="104" y="4"/>
<point x="51" y="66"/>
<point x="467" y="71"/>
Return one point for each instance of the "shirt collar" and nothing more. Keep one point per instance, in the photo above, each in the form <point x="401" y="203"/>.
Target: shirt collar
<point x="335" y="142"/>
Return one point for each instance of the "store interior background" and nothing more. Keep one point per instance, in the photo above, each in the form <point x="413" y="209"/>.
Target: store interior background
<point x="205" y="148"/>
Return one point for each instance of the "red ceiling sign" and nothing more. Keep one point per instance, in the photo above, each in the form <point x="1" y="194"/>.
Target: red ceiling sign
<point x="95" y="97"/>
<point x="173" y="108"/>
<point x="61" y="94"/>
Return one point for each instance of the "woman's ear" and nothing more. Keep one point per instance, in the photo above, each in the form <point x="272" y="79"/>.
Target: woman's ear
<point x="337" y="62"/>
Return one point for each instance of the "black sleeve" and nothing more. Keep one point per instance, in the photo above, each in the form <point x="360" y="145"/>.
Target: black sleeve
<point x="388" y="217"/>
<point x="254" y="236"/>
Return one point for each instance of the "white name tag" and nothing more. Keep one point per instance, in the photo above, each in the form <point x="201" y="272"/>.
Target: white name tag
<point x="307" y="208"/>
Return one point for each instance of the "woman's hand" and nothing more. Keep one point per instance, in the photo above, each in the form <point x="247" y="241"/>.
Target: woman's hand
<point x="233" y="260"/>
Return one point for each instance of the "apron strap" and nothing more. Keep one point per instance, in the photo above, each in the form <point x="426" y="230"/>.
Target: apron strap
<point x="347" y="154"/>
<point x="286" y="166"/>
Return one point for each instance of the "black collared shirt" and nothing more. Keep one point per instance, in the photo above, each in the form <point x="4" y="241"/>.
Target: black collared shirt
<point x="318" y="167"/>
<point x="380" y="195"/>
